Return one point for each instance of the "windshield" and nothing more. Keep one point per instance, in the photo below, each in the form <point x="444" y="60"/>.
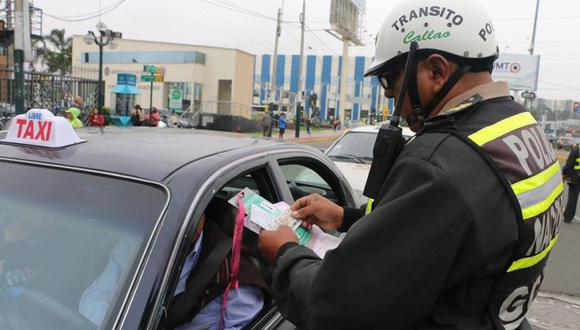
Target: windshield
<point x="354" y="147"/>
<point x="69" y="243"/>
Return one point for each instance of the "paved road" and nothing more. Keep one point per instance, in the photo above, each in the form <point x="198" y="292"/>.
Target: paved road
<point x="563" y="271"/>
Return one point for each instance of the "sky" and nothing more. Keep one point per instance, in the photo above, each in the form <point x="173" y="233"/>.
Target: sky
<point x="199" y="22"/>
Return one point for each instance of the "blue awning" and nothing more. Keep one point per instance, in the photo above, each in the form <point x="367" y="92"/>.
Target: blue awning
<point x="126" y="89"/>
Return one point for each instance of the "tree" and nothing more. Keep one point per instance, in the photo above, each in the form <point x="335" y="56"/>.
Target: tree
<point x="58" y="52"/>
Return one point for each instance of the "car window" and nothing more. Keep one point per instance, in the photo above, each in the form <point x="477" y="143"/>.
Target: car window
<point x="219" y="215"/>
<point x="354" y="147"/>
<point x="308" y="178"/>
<point x="68" y="247"/>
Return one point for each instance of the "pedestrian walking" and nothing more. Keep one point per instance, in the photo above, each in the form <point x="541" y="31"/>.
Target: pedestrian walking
<point x="266" y="123"/>
<point x="571" y="172"/>
<point x="282" y="126"/>
<point x="309" y="126"/>
<point x="462" y="219"/>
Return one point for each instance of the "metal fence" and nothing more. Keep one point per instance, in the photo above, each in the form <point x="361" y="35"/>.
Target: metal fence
<point x="226" y="108"/>
<point x="48" y="91"/>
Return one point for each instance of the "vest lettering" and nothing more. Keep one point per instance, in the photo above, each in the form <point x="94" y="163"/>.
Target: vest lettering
<point x="514" y="307"/>
<point x="519" y="149"/>
<point x="546" y="228"/>
<point x="534" y="148"/>
<point x="547" y="145"/>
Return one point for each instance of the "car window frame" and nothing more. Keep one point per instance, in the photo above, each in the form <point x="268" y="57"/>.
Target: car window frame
<point x="330" y="174"/>
<point x="197" y="206"/>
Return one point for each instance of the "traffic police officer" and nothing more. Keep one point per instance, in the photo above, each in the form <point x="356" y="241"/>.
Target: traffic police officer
<point x="461" y="230"/>
<point x="571" y="172"/>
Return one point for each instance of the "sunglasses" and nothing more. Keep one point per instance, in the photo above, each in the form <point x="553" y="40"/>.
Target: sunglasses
<point x="387" y="79"/>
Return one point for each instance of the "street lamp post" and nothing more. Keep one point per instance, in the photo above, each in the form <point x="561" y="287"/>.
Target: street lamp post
<point x="104" y="38"/>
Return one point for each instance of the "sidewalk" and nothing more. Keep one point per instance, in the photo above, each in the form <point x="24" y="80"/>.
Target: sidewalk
<point x="555" y="312"/>
<point x="317" y="136"/>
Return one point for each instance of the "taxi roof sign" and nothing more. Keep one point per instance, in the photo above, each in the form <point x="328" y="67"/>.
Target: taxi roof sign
<point x="39" y="127"/>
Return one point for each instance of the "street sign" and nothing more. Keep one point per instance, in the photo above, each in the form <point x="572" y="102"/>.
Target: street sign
<point x="150" y="68"/>
<point x="152" y="78"/>
<point x="126" y="79"/>
<point x="175" y="99"/>
<point x="529" y="95"/>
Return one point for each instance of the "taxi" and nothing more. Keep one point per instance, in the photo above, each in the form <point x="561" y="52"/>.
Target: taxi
<point x="69" y="199"/>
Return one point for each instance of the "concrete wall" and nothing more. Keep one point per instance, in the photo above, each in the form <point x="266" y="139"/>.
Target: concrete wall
<point x="243" y="84"/>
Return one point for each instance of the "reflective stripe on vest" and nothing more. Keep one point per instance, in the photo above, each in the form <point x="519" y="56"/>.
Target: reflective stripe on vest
<point x="577" y="167"/>
<point x="536" y="194"/>
<point x="369" y="206"/>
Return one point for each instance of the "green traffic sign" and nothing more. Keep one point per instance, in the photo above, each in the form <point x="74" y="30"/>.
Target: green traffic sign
<point x="147" y="78"/>
<point x="150" y="69"/>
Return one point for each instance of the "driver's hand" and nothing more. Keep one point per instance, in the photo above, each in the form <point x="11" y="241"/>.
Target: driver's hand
<point x="317" y="210"/>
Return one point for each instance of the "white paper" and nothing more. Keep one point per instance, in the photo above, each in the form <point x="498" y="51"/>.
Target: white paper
<point x="321" y="242"/>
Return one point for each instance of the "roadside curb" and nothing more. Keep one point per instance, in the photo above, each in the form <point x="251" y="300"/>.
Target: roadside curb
<point x="314" y="139"/>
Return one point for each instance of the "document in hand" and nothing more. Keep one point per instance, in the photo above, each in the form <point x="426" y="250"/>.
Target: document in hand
<point x="261" y="214"/>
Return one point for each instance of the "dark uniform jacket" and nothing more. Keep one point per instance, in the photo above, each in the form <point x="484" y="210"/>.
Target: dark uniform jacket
<point x="572" y="163"/>
<point x="433" y="248"/>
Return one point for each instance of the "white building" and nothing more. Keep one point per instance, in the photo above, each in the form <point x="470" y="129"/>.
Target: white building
<point x="219" y="80"/>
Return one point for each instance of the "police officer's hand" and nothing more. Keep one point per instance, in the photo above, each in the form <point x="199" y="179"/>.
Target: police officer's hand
<point x="271" y="241"/>
<point x="317" y="210"/>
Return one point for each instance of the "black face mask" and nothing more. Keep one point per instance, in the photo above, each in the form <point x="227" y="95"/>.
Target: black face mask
<point x="390" y="141"/>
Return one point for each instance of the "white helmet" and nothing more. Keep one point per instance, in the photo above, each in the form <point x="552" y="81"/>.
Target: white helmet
<point x="460" y="28"/>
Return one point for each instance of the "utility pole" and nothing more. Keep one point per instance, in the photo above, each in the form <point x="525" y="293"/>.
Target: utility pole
<point x="275" y="59"/>
<point x="343" y="78"/>
<point x="21" y="19"/>
<point x="533" y="45"/>
<point x="300" y="69"/>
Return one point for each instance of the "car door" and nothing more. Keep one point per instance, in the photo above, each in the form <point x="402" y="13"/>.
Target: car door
<point x="220" y="185"/>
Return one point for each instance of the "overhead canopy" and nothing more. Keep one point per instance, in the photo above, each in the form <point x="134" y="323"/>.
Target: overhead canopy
<point x="126" y="89"/>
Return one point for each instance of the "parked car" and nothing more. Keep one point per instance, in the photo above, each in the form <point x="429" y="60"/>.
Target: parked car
<point x="566" y="143"/>
<point x="64" y="208"/>
<point x="353" y="154"/>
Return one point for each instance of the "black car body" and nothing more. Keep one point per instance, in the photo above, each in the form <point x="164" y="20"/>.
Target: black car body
<point x="153" y="184"/>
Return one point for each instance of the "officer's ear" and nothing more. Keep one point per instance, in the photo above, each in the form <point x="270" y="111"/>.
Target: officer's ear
<point x="439" y="71"/>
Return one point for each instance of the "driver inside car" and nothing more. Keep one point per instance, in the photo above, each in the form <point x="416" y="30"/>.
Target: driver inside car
<point x="188" y="310"/>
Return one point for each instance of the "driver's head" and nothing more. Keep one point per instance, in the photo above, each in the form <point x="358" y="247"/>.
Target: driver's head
<point x="451" y="35"/>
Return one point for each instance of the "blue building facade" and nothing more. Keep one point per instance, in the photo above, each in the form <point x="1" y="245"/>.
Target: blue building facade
<point x="321" y="77"/>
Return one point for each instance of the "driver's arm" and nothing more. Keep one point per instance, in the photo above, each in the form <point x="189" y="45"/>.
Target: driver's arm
<point x="96" y="299"/>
